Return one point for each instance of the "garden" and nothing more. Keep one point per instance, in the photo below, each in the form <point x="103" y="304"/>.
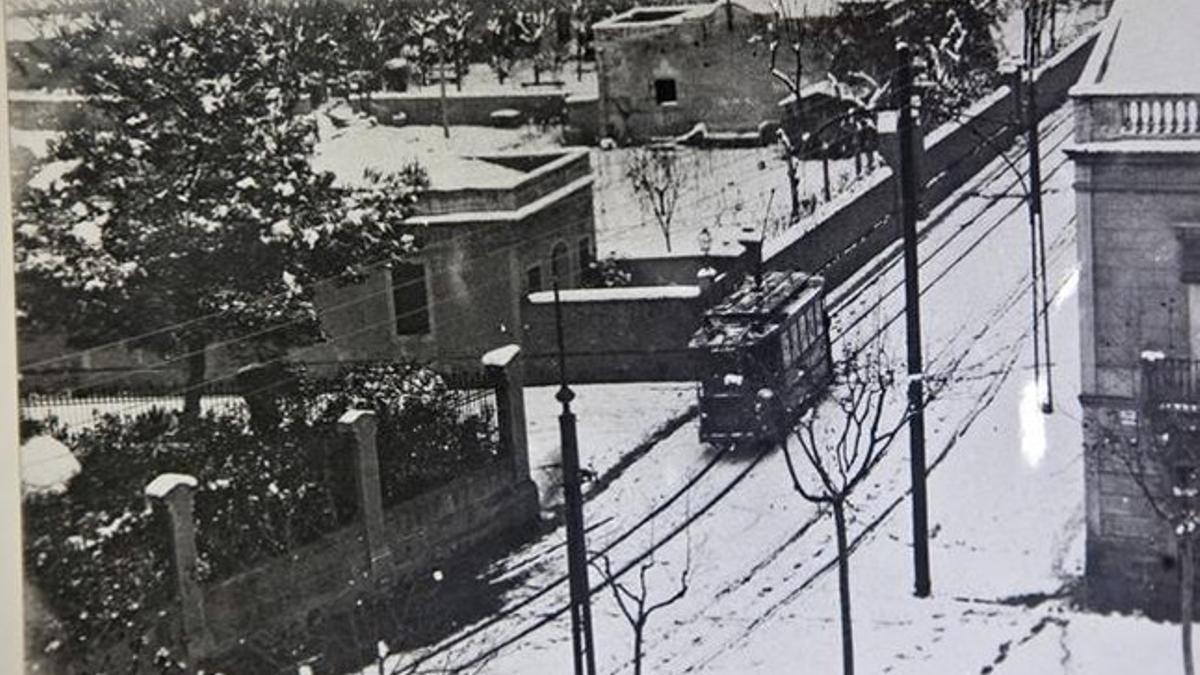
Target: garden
<point x="99" y="555"/>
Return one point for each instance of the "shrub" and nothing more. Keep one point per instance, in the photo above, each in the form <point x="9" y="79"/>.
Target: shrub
<point x="103" y="563"/>
<point x="606" y="273"/>
<point x="424" y="439"/>
<point x="101" y="560"/>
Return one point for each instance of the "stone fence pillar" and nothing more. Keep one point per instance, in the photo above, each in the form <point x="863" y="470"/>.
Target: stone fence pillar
<point x="361" y="426"/>
<point x="503" y="365"/>
<point x="175" y="493"/>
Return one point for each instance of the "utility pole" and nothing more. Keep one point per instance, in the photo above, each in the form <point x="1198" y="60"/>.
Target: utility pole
<point x="1037" y="221"/>
<point x="581" y="605"/>
<point x="912" y="310"/>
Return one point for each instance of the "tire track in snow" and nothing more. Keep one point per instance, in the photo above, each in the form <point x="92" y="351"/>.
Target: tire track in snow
<point x="983" y="402"/>
<point x="857" y="290"/>
<point x="1063" y="239"/>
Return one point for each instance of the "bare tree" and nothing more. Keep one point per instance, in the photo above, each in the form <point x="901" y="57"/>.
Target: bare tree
<point x="635" y="605"/>
<point x="657" y="179"/>
<point x="842" y="449"/>
<point x="1160" y="452"/>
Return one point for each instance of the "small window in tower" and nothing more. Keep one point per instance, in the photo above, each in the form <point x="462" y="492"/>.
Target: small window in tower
<point x="664" y="92"/>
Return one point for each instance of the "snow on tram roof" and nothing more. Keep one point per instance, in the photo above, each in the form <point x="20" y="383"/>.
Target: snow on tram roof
<point x="777" y="289"/>
<point x="754" y="311"/>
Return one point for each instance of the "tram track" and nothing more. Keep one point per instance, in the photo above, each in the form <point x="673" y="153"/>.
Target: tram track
<point x="874" y="277"/>
<point x="876" y="274"/>
<point x="996" y="380"/>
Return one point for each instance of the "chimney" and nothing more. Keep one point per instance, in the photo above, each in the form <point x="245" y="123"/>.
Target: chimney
<point x="751" y="260"/>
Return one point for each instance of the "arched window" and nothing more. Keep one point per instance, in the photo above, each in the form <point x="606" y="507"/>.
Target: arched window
<point x="559" y="263"/>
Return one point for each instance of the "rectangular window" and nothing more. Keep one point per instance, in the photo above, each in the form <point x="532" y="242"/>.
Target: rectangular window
<point x="533" y="279"/>
<point x="410" y="298"/>
<point x="664" y="91"/>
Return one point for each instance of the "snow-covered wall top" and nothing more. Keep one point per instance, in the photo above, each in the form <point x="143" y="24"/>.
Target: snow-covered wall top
<point x="577" y="295"/>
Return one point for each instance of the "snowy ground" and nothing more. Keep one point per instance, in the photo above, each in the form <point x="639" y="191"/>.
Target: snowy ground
<point x="607" y="428"/>
<point x="1006" y="500"/>
<point x="722" y="190"/>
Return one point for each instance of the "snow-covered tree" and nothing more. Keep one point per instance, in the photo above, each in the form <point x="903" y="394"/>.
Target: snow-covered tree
<point x="187" y="212"/>
<point x="658" y="179"/>
<point x="840" y="451"/>
<point x="501" y="36"/>
<point x="443" y="35"/>
<point x="635" y="602"/>
<point x="539" y="42"/>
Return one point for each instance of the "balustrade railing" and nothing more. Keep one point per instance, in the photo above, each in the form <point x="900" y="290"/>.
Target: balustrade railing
<point x="1148" y="116"/>
<point x="1161" y="116"/>
<point x="1171" y="383"/>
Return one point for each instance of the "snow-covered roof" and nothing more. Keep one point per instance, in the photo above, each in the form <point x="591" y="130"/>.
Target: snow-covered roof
<point x="1148" y="48"/>
<point x="754" y="311"/>
<point x="665" y="15"/>
<point x="389" y="149"/>
<point x="799" y="9"/>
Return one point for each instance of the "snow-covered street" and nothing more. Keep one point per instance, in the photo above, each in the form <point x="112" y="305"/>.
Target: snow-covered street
<point x="1006" y="496"/>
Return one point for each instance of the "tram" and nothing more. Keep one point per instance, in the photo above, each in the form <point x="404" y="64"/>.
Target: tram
<point x="765" y="357"/>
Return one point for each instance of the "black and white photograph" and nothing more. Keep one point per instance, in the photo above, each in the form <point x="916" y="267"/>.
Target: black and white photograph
<point x="601" y="337"/>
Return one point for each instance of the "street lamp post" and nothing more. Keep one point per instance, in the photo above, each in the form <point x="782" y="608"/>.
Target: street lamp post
<point x="581" y="607"/>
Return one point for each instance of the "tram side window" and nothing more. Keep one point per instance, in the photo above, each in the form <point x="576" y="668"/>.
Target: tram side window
<point x="788" y="347"/>
<point x="800" y="338"/>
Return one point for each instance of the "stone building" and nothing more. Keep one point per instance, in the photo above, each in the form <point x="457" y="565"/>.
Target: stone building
<point x="662" y="70"/>
<point x="1137" y="166"/>
<point x="497" y="227"/>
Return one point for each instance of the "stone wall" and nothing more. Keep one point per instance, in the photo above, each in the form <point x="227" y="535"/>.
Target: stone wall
<point x="381" y="547"/>
<point x="639" y="335"/>
<point x="544" y="105"/>
<point x="722" y="78"/>
<point x="334" y="570"/>
<point x="861" y="224"/>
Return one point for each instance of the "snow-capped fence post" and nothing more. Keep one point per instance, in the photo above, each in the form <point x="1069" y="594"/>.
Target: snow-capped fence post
<point x="361" y="426"/>
<point x="503" y="366"/>
<point x="175" y="493"/>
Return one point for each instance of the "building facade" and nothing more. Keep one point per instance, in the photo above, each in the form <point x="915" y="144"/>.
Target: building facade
<point x="496" y="227"/>
<point x="662" y="70"/>
<point x="1137" y="171"/>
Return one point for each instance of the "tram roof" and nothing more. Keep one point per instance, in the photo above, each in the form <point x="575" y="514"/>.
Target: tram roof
<point x="754" y="311"/>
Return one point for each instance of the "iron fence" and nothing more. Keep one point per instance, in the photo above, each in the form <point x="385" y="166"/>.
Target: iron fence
<point x="1171" y="382"/>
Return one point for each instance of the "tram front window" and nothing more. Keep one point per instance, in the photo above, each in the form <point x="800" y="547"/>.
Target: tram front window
<point x="724" y="373"/>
